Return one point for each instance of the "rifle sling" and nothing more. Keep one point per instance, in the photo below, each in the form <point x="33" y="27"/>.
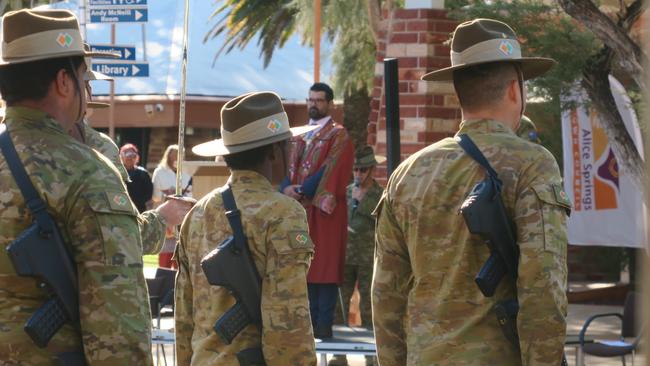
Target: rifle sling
<point x="38" y="209"/>
<point x="33" y="200"/>
<point x="234" y="217"/>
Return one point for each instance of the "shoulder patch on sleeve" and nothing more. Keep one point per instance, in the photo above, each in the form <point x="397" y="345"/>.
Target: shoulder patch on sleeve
<point x="299" y="240"/>
<point x="561" y="196"/>
<point x="118" y="201"/>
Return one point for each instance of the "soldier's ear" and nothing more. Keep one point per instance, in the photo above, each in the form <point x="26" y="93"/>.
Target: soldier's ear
<point x="61" y="82"/>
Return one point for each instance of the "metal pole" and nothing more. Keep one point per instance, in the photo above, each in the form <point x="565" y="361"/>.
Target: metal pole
<point x="84" y="18"/>
<point x="391" y="87"/>
<point x="317" y="9"/>
<point x="111" y="109"/>
<point x="181" y="117"/>
<point x="144" y="42"/>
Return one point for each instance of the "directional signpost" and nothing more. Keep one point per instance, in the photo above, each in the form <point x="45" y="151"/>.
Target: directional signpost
<point x="122" y="70"/>
<point x="116" y="2"/>
<point x="119" y="15"/>
<point x="126" y="53"/>
<point x="118" y="11"/>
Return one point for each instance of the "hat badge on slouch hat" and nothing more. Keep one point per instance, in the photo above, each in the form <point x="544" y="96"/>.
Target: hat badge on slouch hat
<point x="32" y="35"/>
<point x="482" y="41"/>
<point x="248" y="121"/>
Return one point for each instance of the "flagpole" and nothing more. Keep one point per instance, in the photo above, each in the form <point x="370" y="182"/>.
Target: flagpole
<point x="181" y="117"/>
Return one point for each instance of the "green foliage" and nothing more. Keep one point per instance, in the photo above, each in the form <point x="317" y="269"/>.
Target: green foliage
<point x="345" y="23"/>
<point x="544" y="30"/>
<point x="9" y="5"/>
<point x="273" y="21"/>
<point x="549" y="128"/>
<point x="354" y="62"/>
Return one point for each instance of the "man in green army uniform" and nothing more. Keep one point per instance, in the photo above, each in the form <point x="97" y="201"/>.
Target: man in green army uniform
<point x="254" y="128"/>
<point x="152" y="222"/>
<point x="427" y="310"/>
<point x="363" y="196"/>
<point x="41" y="80"/>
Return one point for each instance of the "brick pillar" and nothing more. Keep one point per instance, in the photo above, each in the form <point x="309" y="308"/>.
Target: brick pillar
<point x="428" y="111"/>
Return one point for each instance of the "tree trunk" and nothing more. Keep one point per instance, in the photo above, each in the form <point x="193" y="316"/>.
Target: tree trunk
<point x="611" y="34"/>
<point x="596" y="83"/>
<point x="356" y="111"/>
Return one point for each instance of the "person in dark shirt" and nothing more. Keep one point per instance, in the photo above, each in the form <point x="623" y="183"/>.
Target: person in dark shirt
<point x="140" y="186"/>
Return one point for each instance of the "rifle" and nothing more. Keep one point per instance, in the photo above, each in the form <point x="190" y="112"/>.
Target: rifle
<point x="40" y="252"/>
<point x="231" y="265"/>
<point x="485" y="215"/>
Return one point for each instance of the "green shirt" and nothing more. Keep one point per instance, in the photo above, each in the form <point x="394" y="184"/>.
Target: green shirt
<point x="86" y="198"/>
<point x="152" y="228"/>
<point x="276" y="229"/>
<point x="427" y="310"/>
<point x="361" y="226"/>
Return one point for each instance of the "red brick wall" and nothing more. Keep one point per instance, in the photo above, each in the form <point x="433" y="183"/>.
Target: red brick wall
<point x="428" y="111"/>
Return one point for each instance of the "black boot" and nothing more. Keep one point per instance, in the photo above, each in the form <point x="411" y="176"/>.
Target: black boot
<point x="323" y="332"/>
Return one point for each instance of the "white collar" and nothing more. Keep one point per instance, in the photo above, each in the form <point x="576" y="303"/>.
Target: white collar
<point x="320" y="122"/>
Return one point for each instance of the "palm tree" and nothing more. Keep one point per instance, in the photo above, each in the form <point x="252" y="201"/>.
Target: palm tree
<point x="352" y="25"/>
<point x="9" y="5"/>
<point x="241" y="20"/>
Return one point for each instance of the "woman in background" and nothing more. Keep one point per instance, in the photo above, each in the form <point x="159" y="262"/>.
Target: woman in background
<point x="164" y="184"/>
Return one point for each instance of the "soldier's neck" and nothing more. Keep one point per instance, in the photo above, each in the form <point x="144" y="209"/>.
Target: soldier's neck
<point x="503" y="115"/>
<point x="50" y="107"/>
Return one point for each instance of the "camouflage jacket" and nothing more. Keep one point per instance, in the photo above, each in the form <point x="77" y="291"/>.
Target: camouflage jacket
<point x="152" y="226"/>
<point x="427" y="308"/>
<point x="276" y="228"/>
<point x="361" y="226"/>
<point x="87" y="200"/>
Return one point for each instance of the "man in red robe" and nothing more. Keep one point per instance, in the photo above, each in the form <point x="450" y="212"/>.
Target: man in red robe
<point x="320" y="167"/>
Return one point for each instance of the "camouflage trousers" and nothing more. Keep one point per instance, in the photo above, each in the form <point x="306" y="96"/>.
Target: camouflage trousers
<point x="352" y="274"/>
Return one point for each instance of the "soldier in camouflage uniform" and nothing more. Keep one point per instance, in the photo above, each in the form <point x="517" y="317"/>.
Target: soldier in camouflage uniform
<point x="153" y="222"/>
<point x="254" y="129"/>
<point x="427" y="310"/>
<point x="41" y="80"/>
<point x="363" y="196"/>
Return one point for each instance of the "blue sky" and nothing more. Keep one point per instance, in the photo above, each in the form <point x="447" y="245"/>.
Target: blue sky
<point x="290" y="72"/>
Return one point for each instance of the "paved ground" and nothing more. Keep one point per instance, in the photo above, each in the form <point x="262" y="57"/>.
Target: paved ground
<point x="606" y="329"/>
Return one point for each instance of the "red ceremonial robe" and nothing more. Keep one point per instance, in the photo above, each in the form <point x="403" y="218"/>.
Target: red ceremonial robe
<point x="332" y="148"/>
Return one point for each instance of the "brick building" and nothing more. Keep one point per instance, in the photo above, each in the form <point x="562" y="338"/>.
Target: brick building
<point x="416" y="36"/>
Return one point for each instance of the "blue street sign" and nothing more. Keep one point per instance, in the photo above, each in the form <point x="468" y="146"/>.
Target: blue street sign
<point x="122" y="70"/>
<point x="116" y="2"/>
<point x="118" y="15"/>
<point x="126" y="53"/>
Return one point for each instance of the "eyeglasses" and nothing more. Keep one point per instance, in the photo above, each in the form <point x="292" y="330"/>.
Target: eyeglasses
<point x="361" y="170"/>
<point x="314" y="101"/>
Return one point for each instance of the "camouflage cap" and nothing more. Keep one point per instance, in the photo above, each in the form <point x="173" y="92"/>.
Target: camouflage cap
<point x="527" y="130"/>
<point x="365" y="157"/>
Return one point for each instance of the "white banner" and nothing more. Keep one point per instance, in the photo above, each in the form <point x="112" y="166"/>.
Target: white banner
<point x="608" y="208"/>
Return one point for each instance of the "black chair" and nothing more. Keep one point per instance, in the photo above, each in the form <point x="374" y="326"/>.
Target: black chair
<point x="165" y="304"/>
<point x="161" y="300"/>
<point x="615" y="348"/>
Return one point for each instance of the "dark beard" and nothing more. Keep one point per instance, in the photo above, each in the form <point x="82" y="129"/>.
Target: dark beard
<point x="315" y="114"/>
